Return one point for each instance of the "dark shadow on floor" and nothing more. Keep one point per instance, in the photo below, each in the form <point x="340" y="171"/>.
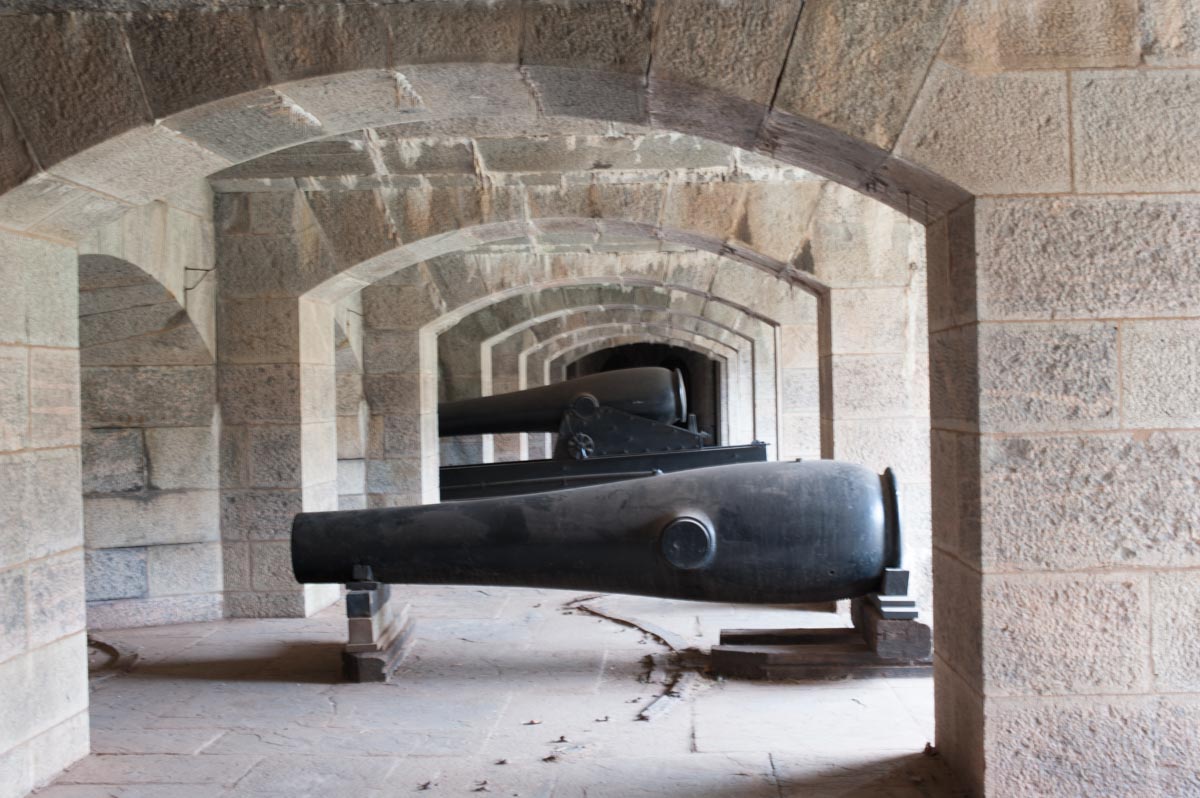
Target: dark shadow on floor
<point x="913" y="776"/>
<point x="309" y="662"/>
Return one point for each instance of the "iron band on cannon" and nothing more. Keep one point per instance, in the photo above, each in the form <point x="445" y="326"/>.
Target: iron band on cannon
<point x="611" y="426"/>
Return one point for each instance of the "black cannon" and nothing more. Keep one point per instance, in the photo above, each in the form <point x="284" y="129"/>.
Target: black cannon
<point x="761" y="533"/>
<point x="611" y="426"/>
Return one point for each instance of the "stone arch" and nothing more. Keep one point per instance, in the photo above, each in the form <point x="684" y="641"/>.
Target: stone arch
<point x="737" y="352"/>
<point x="676" y="292"/>
<point x="97" y="169"/>
<point x="352" y="410"/>
<point x="605" y="335"/>
<point x="723" y="357"/>
<point x="841" y="94"/>
<point x="400" y="384"/>
<point x="504" y="355"/>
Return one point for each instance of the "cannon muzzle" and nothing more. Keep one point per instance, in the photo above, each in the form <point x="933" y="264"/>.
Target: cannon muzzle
<point x="788" y="532"/>
<point x="652" y="392"/>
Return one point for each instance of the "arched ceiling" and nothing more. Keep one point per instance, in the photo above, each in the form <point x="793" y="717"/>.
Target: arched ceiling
<point x="574" y="149"/>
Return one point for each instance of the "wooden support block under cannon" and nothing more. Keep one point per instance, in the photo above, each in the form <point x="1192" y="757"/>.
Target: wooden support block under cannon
<point x="886" y="640"/>
<point x="379" y="632"/>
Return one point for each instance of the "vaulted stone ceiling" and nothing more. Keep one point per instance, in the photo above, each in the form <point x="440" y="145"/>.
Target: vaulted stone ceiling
<point x="366" y="158"/>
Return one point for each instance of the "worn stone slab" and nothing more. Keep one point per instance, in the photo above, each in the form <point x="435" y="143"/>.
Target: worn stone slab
<point x="140" y="396"/>
<point x="160" y="611"/>
<point x="769" y="712"/>
<point x="838" y="60"/>
<point x="562" y="91"/>
<point x="66" y="104"/>
<point x="159" y="769"/>
<point x="1005" y="133"/>
<point x="1043" y="34"/>
<point x="898" y="443"/>
<point x="735" y="50"/>
<point x="1048" y="376"/>
<point x="430" y="33"/>
<point x="260" y="393"/>
<point x="253" y="265"/>
<point x="300" y="41"/>
<point x="287" y="774"/>
<point x="245" y="127"/>
<point x="44" y="517"/>
<point x="1119" y="257"/>
<point x="357" y="100"/>
<point x="192" y="56"/>
<point x="142" y="165"/>
<point x="14" y="397"/>
<point x="116" y="573"/>
<point x="863" y="386"/>
<point x="115" y="315"/>
<point x="56" y="688"/>
<point x="16" y="165"/>
<point x="13" y="627"/>
<point x="1176" y="651"/>
<point x="1170" y="33"/>
<point x="289" y="604"/>
<point x="154" y="741"/>
<point x="869" y="320"/>
<point x="271" y="566"/>
<point x="355" y="224"/>
<point x="54" y="397"/>
<point x="1132" y="132"/>
<point x="259" y="515"/>
<point x="182" y="457"/>
<point x="41" y="194"/>
<point x="1102" y="499"/>
<point x="597" y="35"/>
<point x="1066" y="635"/>
<point x="747" y="775"/>
<point x="184" y="569"/>
<point x="45" y="294"/>
<point x="259" y="330"/>
<point x="150" y="518"/>
<point x="56" y="597"/>
<point x="1130" y="745"/>
<point x="1160" y="364"/>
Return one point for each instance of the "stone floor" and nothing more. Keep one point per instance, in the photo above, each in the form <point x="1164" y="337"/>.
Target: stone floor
<point x="504" y="692"/>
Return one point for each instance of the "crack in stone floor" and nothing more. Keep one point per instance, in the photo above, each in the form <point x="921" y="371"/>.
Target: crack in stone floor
<point x="504" y="692"/>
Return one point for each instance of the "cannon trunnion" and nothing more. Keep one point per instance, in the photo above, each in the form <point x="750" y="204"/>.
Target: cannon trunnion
<point x="611" y="426"/>
<point x="758" y="533"/>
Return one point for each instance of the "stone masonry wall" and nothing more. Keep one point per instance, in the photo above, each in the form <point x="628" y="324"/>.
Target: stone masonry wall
<point x="1050" y="145"/>
<point x="148" y="391"/>
<point x="43" y="662"/>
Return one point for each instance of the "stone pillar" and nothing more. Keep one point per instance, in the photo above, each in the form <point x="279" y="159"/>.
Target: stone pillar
<point x="873" y="348"/>
<point x="1064" y="360"/>
<point x="400" y="382"/>
<point x="874" y="393"/>
<point x="500" y="376"/>
<point x="799" y="401"/>
<point x="352" y="411"/>
<point x="43" y="658"/>
<point x="276" y="387"/>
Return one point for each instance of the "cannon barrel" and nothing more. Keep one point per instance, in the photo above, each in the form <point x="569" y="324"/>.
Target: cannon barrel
<point x="759" y="533"/>
<point x="652" y="392"/>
